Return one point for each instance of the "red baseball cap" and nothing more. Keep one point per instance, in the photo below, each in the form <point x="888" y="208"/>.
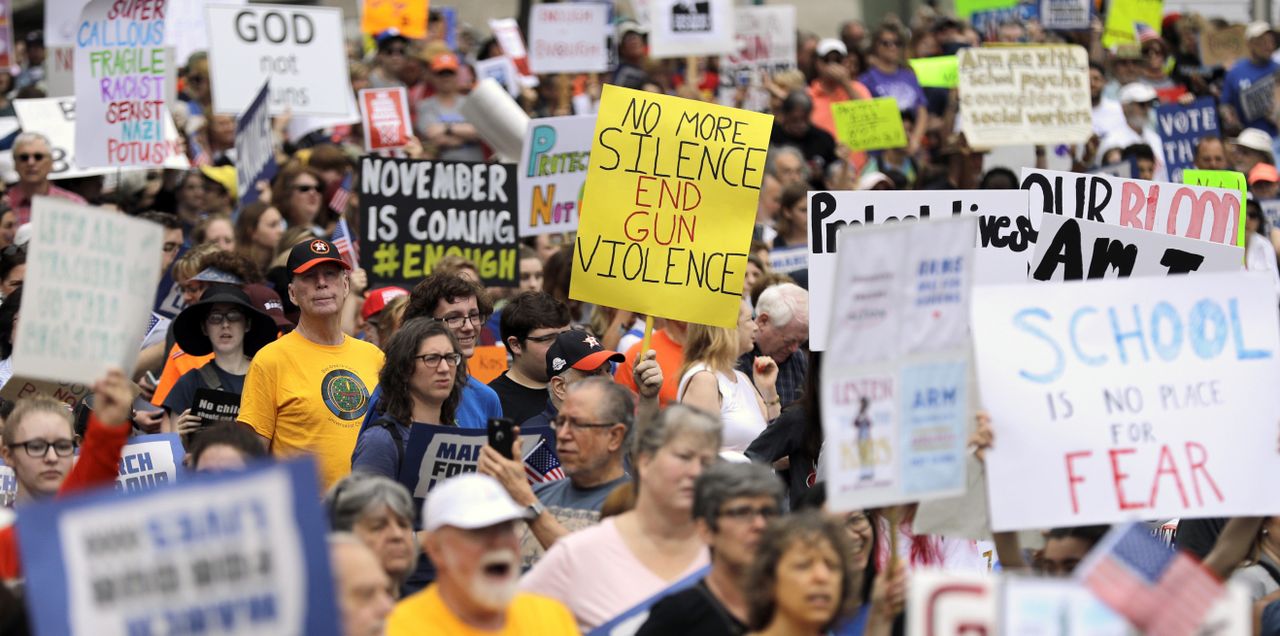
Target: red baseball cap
<point x="376" y="300"/>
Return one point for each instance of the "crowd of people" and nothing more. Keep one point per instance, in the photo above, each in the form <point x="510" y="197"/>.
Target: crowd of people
<point x="691" y="501"/>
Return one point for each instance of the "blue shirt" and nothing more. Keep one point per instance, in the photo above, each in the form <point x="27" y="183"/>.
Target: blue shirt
<point x="479" y="403"/>
<point x="1241" y="76"/>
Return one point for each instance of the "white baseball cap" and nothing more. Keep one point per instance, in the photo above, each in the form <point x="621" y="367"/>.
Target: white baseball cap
<point x="469" y="501"/>
<point x="831" y="45"/>
<point x="1137" y="93"/>
<point x="1256" y="29"/>
<point x="1254" y="139"/>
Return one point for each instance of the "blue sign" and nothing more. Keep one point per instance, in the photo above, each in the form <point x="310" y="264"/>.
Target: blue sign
<point x="1181" y="128"/>
<point x="435" y="453"/>
<point x="150" y="461"/>
<point x="231" y="553"/>
<point x="255" y="153"/>
<point x="987" y="22"/>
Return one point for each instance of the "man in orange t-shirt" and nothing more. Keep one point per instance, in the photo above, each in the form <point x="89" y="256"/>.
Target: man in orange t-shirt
<point x="669" y="343"/>
<point x="833" y="85"/>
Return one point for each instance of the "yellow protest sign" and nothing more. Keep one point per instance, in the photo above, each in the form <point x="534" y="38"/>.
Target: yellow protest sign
<point x="1122" y="15"/>
<point x="1229" y="179"/>
<point x="936" y="72"/>
<point x="869" y="124"/>
<point x="669" y="205"/>
<point x="409" y="18"/>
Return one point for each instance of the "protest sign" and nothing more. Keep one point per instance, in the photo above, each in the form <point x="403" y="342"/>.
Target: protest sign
<point x="1077" y="249"/>
<point x="407" y="18"/>
<point x="184" y="26"/>
<point x="449" y="16"/>
<point x="245" y="551"/>
<point x="1271" y="210"/>
<point x="1181" y="128"/>
<point x="59" y="78"/>
<point x="1100" y="391"/>
<point x="669" y="206"/>
<point x="8" y="487"/>
<point x="1005" y="234"/>
<point x="1124" y="169"/>
<point x="895" y="402"/>
<point x="552" y="172"/>
<point x="1123" y="16"/>
<point x="487" y="363"/>
<point x="789" y="260"/>
<point x="1029" y="604"/>
<point x="1257" y="101"/>
<point x="869" y="124"/>
<point x="507" y="32"/>
<point x="502" y="70"/>
<point x="941" y="602"/>
<point x="6" y="34"/>
<point x="148" y="462"/>
<point x="988" y="22"/>
<point x="296" y="48"/>
<point x="569" y="37"/>
<point x="1223" y="46"/>
<point x="120" y="73"/>
<point x="69" y="393"/>
<point x="1065" y="15"/>
<point x="682" y="28"/>
<point x="435" y="453"/>
<point x="384" y="113"/>
<point x="55" y="117"/>
<point x="1228" y="179"/>
<point x="765" y="42"/>
<point x="1025" y="95"/>
<point x="211" y="405"/>
<point x="91" y="280"/>
<point x="1177" y="210"/>
<point x="937" y="72"/>
<point x="61" y="21"/>
<point x="966" y="8"/>
<point x="419" y="212"/>
<point x="255" y="148"/>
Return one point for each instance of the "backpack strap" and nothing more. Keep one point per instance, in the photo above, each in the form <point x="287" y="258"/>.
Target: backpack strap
<point x="393" y="429"/>
<point x="210" y="376"/>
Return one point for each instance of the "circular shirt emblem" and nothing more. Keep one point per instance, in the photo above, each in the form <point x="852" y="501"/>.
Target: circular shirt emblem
<point x="319" y="247"/>
<point x="344" y="394"/>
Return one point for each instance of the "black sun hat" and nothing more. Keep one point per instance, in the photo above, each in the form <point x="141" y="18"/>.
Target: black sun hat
<point x="193" y="340"/>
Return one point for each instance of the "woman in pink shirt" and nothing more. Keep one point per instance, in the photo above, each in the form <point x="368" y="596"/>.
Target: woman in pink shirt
<point x="609" y="568"/>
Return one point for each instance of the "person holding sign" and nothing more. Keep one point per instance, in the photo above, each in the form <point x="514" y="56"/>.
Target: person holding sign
<point x="890" y="77"/>
<point x="834" y="85"/>
<point x="227" y="325"/>
<point x="1255" y="69"/>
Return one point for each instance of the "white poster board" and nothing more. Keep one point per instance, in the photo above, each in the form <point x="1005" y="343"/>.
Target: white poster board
<point x="552" y="171"/>
<point x="1075" y="249"/>
<point x="61" y="19"/>
<point x="569" y="37"/>
<point x="765" y="38"/>
<point x="1211" y="214"/>
<point x="1129" y="399"/>
<point x="55" y="117"/>
<point x="681" y="28"/>
<point x="184" y="26"/>
<point x="950" y="603"/>
<point x="300" y="49"/>
<point x="91" y="281"/>
<point x="1004" y="237"/>
<point x="500" y="69"/>
<point x="895" y="402"/>
<point x="1019" y="95"/>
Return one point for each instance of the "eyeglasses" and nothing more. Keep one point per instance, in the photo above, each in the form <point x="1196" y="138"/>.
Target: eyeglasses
<point x="750" y="512"/>
<point x="893" y="43"/>
<point x="39" y="447"/>
<point x="561" y="421"/>
<point x="453" y="322"/>
<point x="432" y="360"/>
<point x="230" y="317"/>
<point x="30" y="156"/>
<point x="306" y="187"/>
<point x="544" y="339"/>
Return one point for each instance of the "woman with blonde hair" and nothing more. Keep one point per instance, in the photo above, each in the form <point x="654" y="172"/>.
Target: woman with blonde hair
<point x="710" y="382"/>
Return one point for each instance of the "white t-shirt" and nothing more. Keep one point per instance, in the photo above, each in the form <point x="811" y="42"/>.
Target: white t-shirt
<point x="739" y="410"/>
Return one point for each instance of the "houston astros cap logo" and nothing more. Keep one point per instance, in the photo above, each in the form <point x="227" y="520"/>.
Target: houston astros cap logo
<point x="319" y="247"/>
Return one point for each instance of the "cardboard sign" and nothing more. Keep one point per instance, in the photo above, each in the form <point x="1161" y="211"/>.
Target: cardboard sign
<point x="895" y="402"/>
<point x="56" y="118"/>
<point x="255" y="148"/>
<point x="1025" y="95"/>
<point x="244" y="551"/>
<point x="869" y="124"/>
<point x="213" y="406"/>
<point x="1099" y="392"/>
<point x="148" y="462"/>
<point x="418" y="212"/>
<point x="1228" y="179"/>
<point x="1223" y="46"/>
<point x="385" y="115"/>
<point x="91" y="279"/>
<point x="1004" y="239"/>
<point x="487" y="363"/>
<point x="569" y="37"/>
<point x="1076" y="249"/>
<point x="669" y="206"/>
<point x="941" y="602"/>
<point x="681" y="28"/>
<point x="296" y="48"/>
<point x="937" y="72"/>
<point x="1211" y="214"/>
<point x="766" y="44"/>
<point x="1065" y="15"/>
<point x="966" y="8"/>
<point x="433" y="454"/>
<point x="69" y="393"/>
<point x="1123" y="16"/>
<point x="552" y="173"/>
<point x="409" y="18"/>
<point x="1181" y="128"/>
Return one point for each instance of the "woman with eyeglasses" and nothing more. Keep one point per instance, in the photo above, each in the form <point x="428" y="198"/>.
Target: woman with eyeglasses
<point x="297" y="194"/>
<point x="889" y="76"/>
<point x="227" y="325"/>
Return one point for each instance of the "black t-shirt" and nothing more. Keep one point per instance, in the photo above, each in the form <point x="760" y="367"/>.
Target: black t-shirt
<point x="785" y="438"/>
<point x="1197" y="536"/>
<point x="183" y="393"/>
<point x="519" y="402"/>
<point x="694" y="610"/>
<point x="817" y="146"/>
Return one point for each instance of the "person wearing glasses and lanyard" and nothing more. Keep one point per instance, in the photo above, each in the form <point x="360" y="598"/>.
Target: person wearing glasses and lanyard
<point x="33" y="159"/>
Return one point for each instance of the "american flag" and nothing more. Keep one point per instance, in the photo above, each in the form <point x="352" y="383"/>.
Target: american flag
<point x="341" y="239"/>
<point x="542" y="465"/>
<point x="341" y="197"/>
<point x="1161" y="591"/>
<point x="1144" y="32"/>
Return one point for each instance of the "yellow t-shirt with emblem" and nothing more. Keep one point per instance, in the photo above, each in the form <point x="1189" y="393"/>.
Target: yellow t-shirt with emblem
<point x="310" y="398"/>
<point x="425" y="613"/>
